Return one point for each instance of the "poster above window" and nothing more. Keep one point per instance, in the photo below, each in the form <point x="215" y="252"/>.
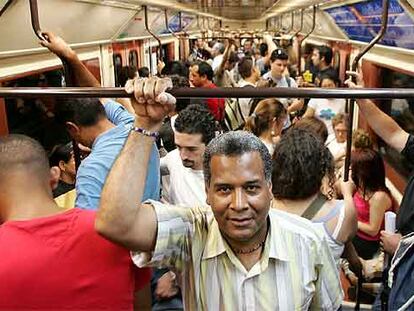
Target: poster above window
<point x="362" y="21"/>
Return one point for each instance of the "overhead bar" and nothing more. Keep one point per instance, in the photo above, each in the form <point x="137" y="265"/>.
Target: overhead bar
<point x="117" y="92"/>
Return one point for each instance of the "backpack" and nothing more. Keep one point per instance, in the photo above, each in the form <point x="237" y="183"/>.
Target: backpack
<point x="233" y="117"/>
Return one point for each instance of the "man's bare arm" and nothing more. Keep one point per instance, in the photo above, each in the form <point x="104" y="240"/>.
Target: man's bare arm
<point x="120" y="217"/>
<point x="81" y="75"/>
<point x="382" y="124"/>
<point x="271" y="46"/>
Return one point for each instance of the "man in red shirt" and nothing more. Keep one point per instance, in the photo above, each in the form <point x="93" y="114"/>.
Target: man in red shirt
<point x="201" y="75"/>
<point x="52" y="259"/>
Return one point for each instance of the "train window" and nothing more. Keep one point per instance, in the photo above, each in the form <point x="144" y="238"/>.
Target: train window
<point x="133" y="58"/>
<point x="117" y="67"/>
<point x="35" y="117"/>
<point x="402" y="111"/>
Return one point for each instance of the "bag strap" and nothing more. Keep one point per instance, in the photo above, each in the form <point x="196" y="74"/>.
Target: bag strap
<point x="315" y="207"/>
<point x="288" y="81"/>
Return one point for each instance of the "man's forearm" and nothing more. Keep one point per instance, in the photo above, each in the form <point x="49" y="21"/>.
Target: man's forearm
<point x="81" y="75"/>
<point x="123" y="191"/>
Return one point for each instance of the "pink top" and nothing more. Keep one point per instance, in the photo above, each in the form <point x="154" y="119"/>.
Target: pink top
<point x="362" y="208"/>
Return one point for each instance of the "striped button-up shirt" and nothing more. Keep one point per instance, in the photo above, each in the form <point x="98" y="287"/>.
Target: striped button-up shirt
<point x="296" y="270"/>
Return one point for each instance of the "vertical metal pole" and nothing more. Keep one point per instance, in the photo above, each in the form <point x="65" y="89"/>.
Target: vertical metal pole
<point x="385" y="5"/>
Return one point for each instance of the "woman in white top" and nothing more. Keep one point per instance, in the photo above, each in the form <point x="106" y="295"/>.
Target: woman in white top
<point x="300" y="164"/>
<point x="326" y="108"/>
<point x="266" y="122"/>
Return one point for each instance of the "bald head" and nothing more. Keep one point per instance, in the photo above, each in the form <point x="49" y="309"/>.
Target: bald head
<point x="19" y="153"/>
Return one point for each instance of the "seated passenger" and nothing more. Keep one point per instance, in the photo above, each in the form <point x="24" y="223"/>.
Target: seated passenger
<point x="101" y="127"/>
<point x="372" y="199"/>
<point x="194" y="129"/>
<point x="267" y="122"/>
<point x="54" y="260"/>
<point x="300" y="164"/>
<point x="236" y="254"/>
<point x="201" y="75"/>
<point x="337" y="146"/>
<point x="326" y="108"/>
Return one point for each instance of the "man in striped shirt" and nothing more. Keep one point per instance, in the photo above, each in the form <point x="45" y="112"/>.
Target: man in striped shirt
<point x="238" y="255"/>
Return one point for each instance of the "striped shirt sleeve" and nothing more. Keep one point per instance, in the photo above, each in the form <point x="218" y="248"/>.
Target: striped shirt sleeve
<point x="176" y="237"/>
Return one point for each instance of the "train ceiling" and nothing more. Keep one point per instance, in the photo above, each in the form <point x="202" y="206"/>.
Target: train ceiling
<point x="86" y="22"/>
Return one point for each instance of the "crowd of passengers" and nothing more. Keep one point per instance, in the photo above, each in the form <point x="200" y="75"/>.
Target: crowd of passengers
<point x="236" y="204"/>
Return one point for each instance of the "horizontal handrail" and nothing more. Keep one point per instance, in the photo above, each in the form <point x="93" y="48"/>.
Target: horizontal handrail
<point x="278" y="92"/>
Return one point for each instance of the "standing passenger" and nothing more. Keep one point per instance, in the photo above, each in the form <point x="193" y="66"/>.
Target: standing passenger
<point x="102" y="127"/>
<point x="322" y="60"/>
<point x="300" y="164"/>
<point x="402" y="265"/>
<point x="249" y="76"/>
<point x="201" y="75"/>
<point x="277" y="75"/>
<point x="372" y="199"/>
<point x="194" y="129"/>
<point x="54" y="260"/>
<point x="237" y="254"/>
<point x="266" y="122"/>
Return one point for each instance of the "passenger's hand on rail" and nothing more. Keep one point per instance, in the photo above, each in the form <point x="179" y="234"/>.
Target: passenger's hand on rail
<point x="390" y="241"/>
<point x="57" y="45"/>
<point x="359" y="79"/>
<point x="151" y="102"/>
<point x="160" y="66"/>
<point x="347" y="188"/>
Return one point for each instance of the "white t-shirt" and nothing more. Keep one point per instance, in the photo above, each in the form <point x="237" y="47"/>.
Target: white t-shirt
<point x="337" y="149"/>
<point x="325" y="109"/>
<point x="217" y="61"/>
<point x="245" y="103"/>
<point x="186" y="186"/>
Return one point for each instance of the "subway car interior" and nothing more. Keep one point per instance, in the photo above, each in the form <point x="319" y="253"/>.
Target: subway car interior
<point x="319" y="219"/>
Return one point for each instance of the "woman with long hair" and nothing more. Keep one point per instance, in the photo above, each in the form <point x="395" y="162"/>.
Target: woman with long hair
<point x="301" y="163"/>
<point x="372" y="199"/>
<point x="266" y="122"/>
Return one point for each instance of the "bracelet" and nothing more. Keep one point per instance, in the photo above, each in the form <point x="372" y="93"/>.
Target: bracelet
<point x="145" y="132"/>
